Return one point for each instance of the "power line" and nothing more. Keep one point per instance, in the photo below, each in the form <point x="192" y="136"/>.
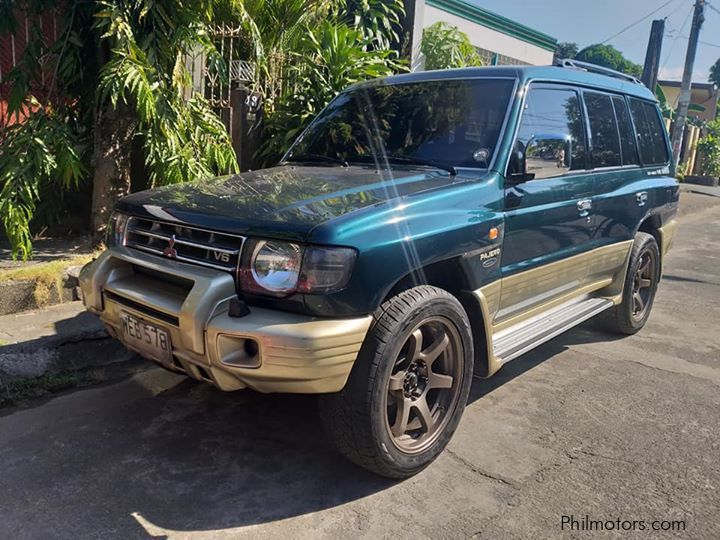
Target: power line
<point x="638" y="21"/>
<point x="703" y="42"/>
<point x="716" y="10"/>
<point x="675" y="40"/>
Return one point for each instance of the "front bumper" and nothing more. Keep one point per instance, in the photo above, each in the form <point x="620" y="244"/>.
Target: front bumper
<point x="291" y="352"/>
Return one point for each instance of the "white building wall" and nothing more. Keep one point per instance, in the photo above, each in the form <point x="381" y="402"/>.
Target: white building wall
<point x="489" y="39"/>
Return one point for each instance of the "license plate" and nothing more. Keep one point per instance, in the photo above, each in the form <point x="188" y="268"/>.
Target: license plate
<point x="148" y="339"/>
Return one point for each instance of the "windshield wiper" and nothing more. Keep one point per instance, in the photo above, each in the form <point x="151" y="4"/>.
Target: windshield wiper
<point x="313" y="158"/>
<point x="420" y="161"/>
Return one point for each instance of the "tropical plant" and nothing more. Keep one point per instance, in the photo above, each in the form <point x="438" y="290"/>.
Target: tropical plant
<point x="43" y="151"/>
<point x="333" y="56"/>
<point x="120" y="89"/>
<point x="609" y="57"/>
<point x="380" y="21"/>
<point x="709" y="150"/>
<point x="445" y="46"/>
<point x="145" y="70"/>
<point x="116" y="75"/>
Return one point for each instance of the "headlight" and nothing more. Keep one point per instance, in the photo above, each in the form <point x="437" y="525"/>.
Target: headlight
<point x="115" y="235"/>
<point x="276" y="268"/>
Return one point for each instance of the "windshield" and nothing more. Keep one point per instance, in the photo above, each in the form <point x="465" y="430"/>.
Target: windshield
<point x="447" y="123"/>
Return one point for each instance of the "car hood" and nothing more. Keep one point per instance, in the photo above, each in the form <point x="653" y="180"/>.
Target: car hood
<point x="284" y="201"/>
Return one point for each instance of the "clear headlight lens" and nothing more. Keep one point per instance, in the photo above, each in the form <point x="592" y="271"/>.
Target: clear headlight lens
<point x="115" y="235"/>
<point x="278" y="268"/>
<point x="275" y="266"/>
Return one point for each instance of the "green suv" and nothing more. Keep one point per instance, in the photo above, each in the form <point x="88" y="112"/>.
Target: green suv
<point x="424" y="229"/>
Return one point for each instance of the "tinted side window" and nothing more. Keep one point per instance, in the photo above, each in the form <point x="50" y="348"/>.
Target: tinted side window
<point x="650" y="132"/>
<point x="552" y="123"/>
<point x="627" y="137"/>
<point x="603" y="129"/>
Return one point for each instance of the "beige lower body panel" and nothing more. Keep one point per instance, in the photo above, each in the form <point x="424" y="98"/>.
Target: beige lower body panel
<point x="510" y="301"/>
<point x="289" y="352"/>
<point x="667" y="235"/>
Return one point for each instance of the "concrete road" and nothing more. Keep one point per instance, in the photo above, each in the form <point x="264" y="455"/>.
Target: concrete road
<point x="587" y="425"/>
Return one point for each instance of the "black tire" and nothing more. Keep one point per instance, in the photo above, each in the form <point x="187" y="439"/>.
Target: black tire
<point x="383" y="384"/>
<point x="626" y="318"/>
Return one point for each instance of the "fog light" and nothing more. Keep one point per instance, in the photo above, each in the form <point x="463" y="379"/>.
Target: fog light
<point x="238" y="351"/>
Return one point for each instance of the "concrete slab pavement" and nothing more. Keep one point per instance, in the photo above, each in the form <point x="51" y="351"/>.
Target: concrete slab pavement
<point x="586" y="425"/>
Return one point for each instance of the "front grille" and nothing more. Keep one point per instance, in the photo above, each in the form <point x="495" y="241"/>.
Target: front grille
<point x="187" y="244"/>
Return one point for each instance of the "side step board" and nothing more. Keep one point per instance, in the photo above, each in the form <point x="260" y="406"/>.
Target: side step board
<point x="520" y="338"/>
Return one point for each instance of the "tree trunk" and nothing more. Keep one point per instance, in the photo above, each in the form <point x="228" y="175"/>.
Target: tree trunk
<point x="112" y="140"/>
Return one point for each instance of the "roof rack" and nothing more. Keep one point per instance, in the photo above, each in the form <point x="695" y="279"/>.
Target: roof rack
<point x="592" y="68"/>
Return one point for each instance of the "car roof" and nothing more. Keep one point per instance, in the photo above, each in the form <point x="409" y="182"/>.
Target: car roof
<point x="524" y="74"/>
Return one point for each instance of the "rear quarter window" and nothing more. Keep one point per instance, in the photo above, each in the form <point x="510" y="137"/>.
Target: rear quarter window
<point x="650" y="132"/>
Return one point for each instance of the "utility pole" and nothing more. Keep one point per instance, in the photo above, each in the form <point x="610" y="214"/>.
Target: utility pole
<point x="684" y="99"/>
<point x="652" y="56"/>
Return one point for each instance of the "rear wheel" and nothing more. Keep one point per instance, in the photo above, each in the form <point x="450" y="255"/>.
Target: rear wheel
<point x="640" y="286"/>
<point x="408" y="388"/>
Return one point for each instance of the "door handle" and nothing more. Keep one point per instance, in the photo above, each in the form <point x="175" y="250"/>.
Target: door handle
<point x="584" y="206"/>
<point x="641" y="198"/>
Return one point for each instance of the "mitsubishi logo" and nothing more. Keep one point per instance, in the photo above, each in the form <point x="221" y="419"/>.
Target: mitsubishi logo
<point x="170" y="250"/>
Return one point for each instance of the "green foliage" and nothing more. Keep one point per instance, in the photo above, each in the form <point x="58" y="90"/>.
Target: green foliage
<point x="108" y="51"/>
<point x="184" y="139"/>
<point x="377" y="20"/>
<point x="333" y="56"/>
<point x="43" y="150"/>
<point x="609" y="57"/>
<point x="709" y="150"/>
<point x="566" y="50"/>
<point x="715" y="73"/>
<point x="445" y="46"/>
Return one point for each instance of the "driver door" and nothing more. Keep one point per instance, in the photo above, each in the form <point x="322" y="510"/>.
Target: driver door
<point x="548" y="202"/>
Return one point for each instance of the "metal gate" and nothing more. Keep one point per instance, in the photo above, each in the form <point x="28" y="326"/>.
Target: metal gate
<point x="227" y="84"/>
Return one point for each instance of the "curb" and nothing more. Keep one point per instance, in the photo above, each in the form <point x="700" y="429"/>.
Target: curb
<point x="20" y="295"/>
<point x="68" y="339"/>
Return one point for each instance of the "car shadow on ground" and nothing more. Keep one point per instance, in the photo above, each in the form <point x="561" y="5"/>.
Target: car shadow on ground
<point x="192" y="458"/>
<point x="588" y="332"/>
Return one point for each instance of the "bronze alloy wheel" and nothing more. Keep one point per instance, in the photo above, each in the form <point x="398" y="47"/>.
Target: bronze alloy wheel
<point x="424" y="384"/>
<point x="643" y="284"/>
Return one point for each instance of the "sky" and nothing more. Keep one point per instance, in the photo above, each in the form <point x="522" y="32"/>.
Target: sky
<point x="593" y="21"/>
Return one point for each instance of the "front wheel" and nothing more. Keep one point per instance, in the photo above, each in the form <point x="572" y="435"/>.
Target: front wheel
<point x="408" y="387"/>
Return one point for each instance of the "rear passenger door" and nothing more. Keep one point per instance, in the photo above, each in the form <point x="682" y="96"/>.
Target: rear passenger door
<point x="624" y="192"/>
<point x="548" y="207"/>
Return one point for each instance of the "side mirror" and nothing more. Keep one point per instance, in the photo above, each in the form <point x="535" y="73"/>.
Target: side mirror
<point x="544" y="155"/>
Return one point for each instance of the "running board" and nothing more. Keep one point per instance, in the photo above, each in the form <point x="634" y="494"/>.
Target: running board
<point x="510" y="343"/>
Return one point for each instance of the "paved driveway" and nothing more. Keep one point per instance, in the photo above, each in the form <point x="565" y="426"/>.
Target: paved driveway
<point x="587" y="425"/>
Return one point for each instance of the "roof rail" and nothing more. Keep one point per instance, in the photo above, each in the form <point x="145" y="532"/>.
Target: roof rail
<point x="592" y="68"/>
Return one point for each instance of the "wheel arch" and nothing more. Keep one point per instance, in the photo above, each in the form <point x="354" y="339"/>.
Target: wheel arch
<point x="450" y="276"/>
<point x="652" y="224"/>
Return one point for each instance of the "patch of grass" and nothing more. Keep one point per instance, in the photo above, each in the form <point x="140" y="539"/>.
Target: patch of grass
<point x="47" y="276"/>
<point x="22" y="389"/>
<point x="3" y="342"/>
